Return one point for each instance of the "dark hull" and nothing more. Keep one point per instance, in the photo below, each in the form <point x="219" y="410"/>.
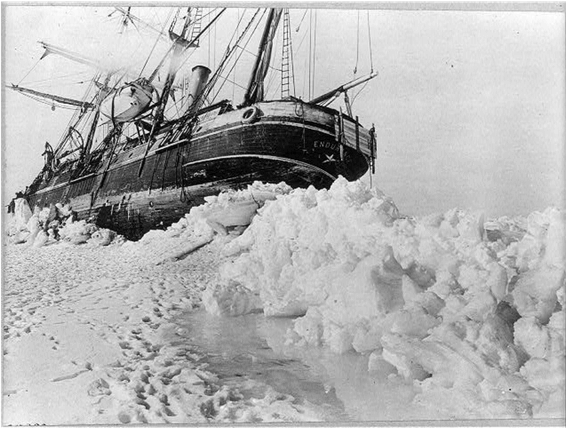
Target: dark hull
<point x="144" y="189"/>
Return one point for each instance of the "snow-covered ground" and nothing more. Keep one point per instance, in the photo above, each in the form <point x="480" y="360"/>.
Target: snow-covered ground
<point x="456" y="316"/>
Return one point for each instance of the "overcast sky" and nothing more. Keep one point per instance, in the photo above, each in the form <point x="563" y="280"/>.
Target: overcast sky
<point x="469" y="106"/>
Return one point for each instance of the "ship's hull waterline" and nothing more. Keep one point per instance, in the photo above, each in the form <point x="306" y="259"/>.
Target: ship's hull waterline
<point x="276" y="141"/>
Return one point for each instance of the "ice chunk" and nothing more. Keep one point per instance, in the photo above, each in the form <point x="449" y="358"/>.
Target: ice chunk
<point x="230" y="299"/>
<point x="238" y="214"/>
<point x="471" y="227"/>
<point x="103" y="237"/>
<point x="376" y="363"/>
<point x="410" y="289"/>
<point x="497" y="280"/>
<point x="415" y="322"/>
<point x="21" y="216"/>
<point x="532" y="337"/>
<point x="77" y="232"/>
<point x="41" y="239"/>
<point x="535" y="292"/>
<point x="308" y="329"/>
<point x="555" y="249"/>
<point x="367" y="335"/>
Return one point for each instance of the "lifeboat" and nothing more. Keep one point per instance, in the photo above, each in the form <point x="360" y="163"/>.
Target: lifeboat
<point x="128" y="102"/>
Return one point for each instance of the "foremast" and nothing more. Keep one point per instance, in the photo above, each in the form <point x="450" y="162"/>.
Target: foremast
<point x="180" y="45"/>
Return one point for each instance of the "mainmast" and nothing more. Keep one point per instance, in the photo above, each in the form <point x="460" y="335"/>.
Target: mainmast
<point x="255" y="91"/>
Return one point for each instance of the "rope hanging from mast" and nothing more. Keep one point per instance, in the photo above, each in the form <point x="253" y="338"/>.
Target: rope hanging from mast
<point x="234" y="68"/>
<point x="371" y="61"/>
<point x="314" y="52"/>
<point x="357" y="45"/>
<point x="370" y="49"/>
<point x="299" y="26"/>
<point x="309" y="70"/>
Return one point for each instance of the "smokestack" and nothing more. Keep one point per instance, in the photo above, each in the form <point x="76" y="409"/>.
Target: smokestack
<point x="198" y="81"/>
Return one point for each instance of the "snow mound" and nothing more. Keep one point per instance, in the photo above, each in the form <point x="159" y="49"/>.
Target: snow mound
<point x="471" y="311"/>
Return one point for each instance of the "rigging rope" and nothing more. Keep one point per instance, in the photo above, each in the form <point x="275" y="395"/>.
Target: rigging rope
<point x="74" y="122"/>
<point x="27" y="74"/>
<point x="234" y="73"/>
<point x="292" y="58"/>
<point x="299" y="26"/>
<point x="209" y="42"/>
<point x="310" y="54"/>
<point x="228" y="54"/>
<point x="358" y="93"/>
<point x="155" y="44"/>
<point x="229" y="43"/>
<point x="51" y="79"/>
<point x="49" y="103"/>
<point x="273" y="76"/>
<point x="369" y="38"/>
<point x="314" y="52"/>
<point x="306" y="59"/>
<point x="357" y="45"/>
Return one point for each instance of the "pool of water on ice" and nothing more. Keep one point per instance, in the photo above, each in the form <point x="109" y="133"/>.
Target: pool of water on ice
<point x="252" y="347"/>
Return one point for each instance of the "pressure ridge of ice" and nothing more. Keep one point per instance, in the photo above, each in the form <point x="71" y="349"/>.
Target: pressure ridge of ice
<point x="470" y="310"/>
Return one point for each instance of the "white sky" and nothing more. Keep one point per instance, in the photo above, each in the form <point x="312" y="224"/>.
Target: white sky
<point x="468" y="106"/>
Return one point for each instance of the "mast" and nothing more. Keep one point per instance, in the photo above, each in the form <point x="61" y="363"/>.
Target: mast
<point x="255" y="91"/>
<point x="104" y="91"/>
<point x="129" y="17"/>
<point x="224" y="61"/>
<point x="180" y="44"/>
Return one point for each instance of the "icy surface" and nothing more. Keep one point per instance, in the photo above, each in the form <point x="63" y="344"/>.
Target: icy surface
<point x="450" y="316"/>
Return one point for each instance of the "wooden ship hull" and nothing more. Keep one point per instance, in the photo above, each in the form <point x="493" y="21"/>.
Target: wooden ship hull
<point x="151" y="185"/>
<point x="137" y="157"/>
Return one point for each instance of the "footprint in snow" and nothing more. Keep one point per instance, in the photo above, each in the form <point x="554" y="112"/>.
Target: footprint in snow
<point x="98" y="387"/>
<point x="124" y="417"/>
<point x="125" y="345"/>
